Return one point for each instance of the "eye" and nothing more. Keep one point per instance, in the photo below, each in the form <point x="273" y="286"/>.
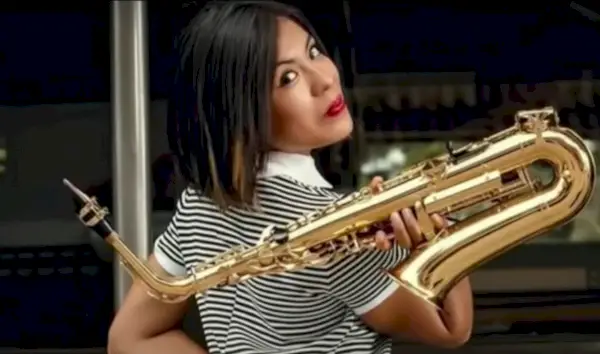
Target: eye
<point x="314" y="52"/>
<point x="287" y="78"/>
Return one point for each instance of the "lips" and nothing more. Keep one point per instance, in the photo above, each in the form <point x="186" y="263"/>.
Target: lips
<point x="337" y="106"/>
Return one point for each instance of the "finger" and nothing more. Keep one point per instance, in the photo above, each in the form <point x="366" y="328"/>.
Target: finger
<point x="412" y="226"/>
<point x="375" y="184"/>
<point x="379" y="237"/>
<point x="402" y="236"/>
<point x="381" y="241"/>
<point x="439" y="222"/>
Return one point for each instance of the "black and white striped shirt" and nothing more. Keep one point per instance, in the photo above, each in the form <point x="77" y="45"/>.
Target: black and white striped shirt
<point x="315" y="310"/>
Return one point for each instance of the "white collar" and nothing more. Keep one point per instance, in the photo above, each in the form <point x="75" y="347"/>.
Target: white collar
<point x="298" y="166"/>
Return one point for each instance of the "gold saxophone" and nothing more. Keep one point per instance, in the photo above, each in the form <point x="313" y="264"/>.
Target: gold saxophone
<point x="493" y="178"/>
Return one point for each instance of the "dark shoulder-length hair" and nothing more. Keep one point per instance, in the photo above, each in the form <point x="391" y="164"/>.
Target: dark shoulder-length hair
<point x="219" y="113"/>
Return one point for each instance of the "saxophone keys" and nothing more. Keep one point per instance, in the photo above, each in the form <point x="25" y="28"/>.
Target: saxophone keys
<point x="234" y="278"/>
<point x="265" y="258"/>
<point x="330" y="209"/>
<point x="355" y="244"/>
<point x="288" y="266"/>
<point x="268" y="232"/>
<point x="425" y="221"/>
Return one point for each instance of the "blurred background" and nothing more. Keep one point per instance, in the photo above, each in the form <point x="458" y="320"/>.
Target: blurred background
<point x="417" y="75"/>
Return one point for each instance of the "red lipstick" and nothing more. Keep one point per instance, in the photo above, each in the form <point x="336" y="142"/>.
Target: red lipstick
<point x="336" y="107"/>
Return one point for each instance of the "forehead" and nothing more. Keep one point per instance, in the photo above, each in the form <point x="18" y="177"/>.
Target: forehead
<point x="290" y="37"/>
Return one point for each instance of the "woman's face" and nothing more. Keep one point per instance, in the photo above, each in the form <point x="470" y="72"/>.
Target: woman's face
<point x="308" y="106"/>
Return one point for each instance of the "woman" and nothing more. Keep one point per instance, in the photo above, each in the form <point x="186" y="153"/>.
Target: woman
<point x="254" y="96"/>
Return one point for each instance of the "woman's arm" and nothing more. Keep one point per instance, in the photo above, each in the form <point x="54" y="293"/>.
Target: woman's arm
<point x="144" y="325"/>
<point x="401" y="313"/>
<point x="173" y="341"/>
<point x="390" y="309"/>
<point x="405" y="315"/>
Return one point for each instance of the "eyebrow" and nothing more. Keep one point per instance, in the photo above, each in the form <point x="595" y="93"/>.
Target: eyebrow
<point x="309" y="40"/>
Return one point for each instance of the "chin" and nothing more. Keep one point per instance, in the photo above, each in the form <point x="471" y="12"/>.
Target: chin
<point x="340" y="131"/>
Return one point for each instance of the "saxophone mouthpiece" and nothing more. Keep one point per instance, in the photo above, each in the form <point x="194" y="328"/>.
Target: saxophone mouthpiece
<point x="90" y="212"/>
<point x="81" y="197"/>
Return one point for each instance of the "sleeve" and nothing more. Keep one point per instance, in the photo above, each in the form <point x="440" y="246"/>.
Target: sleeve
<point x="167" y="248"/>
<point x="361" y="281"/>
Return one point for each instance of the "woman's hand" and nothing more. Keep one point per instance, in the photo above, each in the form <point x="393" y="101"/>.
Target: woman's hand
<point x="148" y="326"/>
<point x="407" y="231"/>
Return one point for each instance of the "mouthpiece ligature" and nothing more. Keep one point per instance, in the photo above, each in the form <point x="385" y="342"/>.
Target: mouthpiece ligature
<point x="90" y="212"/>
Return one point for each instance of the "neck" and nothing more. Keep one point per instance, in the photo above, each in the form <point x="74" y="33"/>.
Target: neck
<point x="299" y="166"/>
<point x="292" y="152"/>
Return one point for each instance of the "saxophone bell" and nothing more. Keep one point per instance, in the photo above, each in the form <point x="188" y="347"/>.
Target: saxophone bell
<point x="513" y="187"/>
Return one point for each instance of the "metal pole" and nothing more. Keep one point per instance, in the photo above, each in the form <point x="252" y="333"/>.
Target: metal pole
<point x="130" y="131"/>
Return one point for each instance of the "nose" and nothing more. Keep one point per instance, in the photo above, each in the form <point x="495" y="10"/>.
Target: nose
<point x="322" y="80"/>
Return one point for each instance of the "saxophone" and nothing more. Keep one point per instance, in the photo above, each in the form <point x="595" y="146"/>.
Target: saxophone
<point x="490" y="182"/>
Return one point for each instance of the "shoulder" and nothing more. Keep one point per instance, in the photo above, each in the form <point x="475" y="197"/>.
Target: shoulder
<point x="195" y="211"/>
<point x="193" y="200"/>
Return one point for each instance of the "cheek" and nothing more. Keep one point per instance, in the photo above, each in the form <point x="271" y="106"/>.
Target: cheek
<point x="294" y="110"/>
<point x="332" y="71"/>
